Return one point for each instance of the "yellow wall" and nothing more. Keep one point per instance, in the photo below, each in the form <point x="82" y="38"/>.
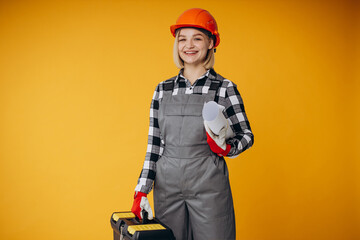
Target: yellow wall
<point x="76" y="80"/>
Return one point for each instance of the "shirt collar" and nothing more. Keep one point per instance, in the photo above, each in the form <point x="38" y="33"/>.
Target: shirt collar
<point x="210" y="73"/>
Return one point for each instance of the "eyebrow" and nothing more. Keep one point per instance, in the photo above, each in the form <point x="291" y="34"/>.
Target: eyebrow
<point x="192" y="36"/>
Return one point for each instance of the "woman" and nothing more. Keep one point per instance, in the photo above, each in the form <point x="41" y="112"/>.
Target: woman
<point x="184" y="158"/>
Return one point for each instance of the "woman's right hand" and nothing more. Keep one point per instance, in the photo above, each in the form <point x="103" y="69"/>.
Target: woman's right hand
<point x="141" y="203"/>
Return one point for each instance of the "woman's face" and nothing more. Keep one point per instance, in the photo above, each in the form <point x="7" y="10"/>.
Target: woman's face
<point x="193" y="46"/>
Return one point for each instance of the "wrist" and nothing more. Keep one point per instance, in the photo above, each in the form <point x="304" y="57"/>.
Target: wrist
<point x="139" y="195"/>
<point x="226" y="151"/>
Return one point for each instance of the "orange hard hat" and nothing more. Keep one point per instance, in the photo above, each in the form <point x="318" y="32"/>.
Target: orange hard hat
<point x="198" y="18"/>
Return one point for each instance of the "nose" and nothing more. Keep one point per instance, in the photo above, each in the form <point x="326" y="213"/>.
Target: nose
<point x="189" y="43"/>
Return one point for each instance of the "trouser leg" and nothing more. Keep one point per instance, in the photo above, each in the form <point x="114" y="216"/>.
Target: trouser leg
<point x="176" y="217"/>
<point x="208" y="227"/>
<point x="169" y="205"/>
<point x="211" y="211"/>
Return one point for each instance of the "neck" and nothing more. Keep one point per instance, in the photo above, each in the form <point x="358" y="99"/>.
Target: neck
<point x="193" y="72"/>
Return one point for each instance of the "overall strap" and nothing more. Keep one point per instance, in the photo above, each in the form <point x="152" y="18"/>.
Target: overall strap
<point x="169" y="84"/>
<point x="215" y="86"/>
<point x="168" y="87"/>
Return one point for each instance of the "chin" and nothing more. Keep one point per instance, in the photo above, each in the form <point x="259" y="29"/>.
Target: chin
<point x="192" y="61"/>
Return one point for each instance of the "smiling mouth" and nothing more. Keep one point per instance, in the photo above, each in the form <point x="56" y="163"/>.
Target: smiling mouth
<point x="191" y="52"/>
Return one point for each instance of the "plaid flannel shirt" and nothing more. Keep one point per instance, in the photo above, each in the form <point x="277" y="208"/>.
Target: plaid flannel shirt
<point x="227" y="96"/>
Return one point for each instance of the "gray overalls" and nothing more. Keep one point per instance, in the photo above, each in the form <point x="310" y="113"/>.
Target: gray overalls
<point x="192" y="193"/>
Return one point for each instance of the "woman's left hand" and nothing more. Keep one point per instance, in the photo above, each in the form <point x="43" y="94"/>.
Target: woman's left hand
<point x="217" y="143"/>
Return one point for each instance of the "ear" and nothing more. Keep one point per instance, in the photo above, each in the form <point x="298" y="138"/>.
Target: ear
<point x="211" y="43"/>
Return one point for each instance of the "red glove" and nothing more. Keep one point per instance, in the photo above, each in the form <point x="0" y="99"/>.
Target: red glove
<point x="141" y="203"/>
<point x="216" y="149"/>
<point x="217" y="143"/>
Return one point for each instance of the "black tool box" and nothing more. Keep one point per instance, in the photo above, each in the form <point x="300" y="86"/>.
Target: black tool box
<point x="127" y="227"/>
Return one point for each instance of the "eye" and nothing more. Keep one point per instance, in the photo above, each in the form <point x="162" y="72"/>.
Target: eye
<point x="182" y="39"/>
<point x="198" y="39"/>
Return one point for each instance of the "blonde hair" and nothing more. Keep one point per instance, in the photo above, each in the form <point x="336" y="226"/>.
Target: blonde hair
<point x="209" y="60"/>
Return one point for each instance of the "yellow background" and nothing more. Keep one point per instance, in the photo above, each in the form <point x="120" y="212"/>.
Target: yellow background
<point x="76" y="80"/>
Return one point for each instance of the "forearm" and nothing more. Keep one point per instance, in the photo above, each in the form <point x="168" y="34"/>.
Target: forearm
<point x="240" y="143"/>
<point x="153" y="153"/>
<point x="235" y="113"/>
<point x="154" y="148"/>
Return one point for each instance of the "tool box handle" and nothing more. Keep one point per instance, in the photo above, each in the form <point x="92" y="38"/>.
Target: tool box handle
<point x="145" y="217"/>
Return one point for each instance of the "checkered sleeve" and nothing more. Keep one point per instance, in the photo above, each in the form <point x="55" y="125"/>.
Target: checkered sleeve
<point x="230" y="98"/>
<point x="155" y="145"/>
